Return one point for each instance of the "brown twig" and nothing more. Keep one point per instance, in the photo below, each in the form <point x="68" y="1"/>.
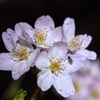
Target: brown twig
<point x="37" y="93"/>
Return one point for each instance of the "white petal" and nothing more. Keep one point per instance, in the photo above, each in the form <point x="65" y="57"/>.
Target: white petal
<point x="63" y="84"/>
<point x="74" y="63"/>
<point x="42" y="61"/>
<point x="69" y="29"/>
<point x="58" y="50"/>
<point x="86" y="40"/>
<point x="6" y="61"/>
<point x="32" y="57"/>
<point x="54" y="36"/>
<point x="19" y="69"/>
<point x="88" y="54"/>
<point x="44" y="22"/>
<point x="45" y="80"/>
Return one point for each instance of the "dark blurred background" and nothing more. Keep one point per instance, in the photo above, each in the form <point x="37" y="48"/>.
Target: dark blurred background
<point x="87" y="19"/>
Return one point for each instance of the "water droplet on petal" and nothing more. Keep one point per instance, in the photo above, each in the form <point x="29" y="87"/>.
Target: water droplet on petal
<point x="60" y="90"/>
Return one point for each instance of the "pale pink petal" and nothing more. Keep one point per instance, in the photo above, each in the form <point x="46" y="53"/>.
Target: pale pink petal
<point x="28" y="37"/>
<point x="68" y="29"/>
<point x="18" y="29"/>
<point x="7" y="41"/>
<point x="63" y="84"/>
<point x="6" y="61"/>
<point x="75" y="62"/>
<point x="88" y="54"/>
<point x="82" y="90"/>
<point x="44" y="22"/>
<point x="42" y="61"/>
<point x="45" y="80"/>
<point x="10" y="31"/>
<point x="95" y="67"/>
<point x="26" y="44"/>
<point x="54" y="36"/>
<point x="26" y="31"/>
<point x="19" y="69"/>
<point x="25" y="26"/>
<point x="58" y="50"/>
<point x="13" y="35"/>
<point x="32" y="57"/>
<point x="43" y="47"/>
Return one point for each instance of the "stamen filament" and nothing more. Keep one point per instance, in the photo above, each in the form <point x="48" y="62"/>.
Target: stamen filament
<point x="20" y="52"/>
<point x="76" y="43"/>
<point x="56" y="66"/>
<point x="40" y="36"/>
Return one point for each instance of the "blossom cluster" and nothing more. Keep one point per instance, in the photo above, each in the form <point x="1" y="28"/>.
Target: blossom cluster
<point x="55" y="51"/>
<point x="87" y="82"/>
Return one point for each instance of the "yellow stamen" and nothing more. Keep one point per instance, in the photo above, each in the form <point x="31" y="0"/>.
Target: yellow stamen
<point x="96" y="94"/>
<point x="76" y="43"/>
<point x="20" y="53"/>
<point x="77" y="87"/>
<point x="56" y="66"/>
<point x="40" y="36"/>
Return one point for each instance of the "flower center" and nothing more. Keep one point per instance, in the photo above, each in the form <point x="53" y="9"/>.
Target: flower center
<point x="96" y="94"/>
<point x="75" y="43"/>
<point x="40" y="36"/>
<point x="56" y="66"/>
<point x="77" y="87"/>
<point x="20" y="52"/>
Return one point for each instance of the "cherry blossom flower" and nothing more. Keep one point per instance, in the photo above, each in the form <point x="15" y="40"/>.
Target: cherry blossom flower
<point x="95" y="93"/>
<point x="20" y="57"/>
<point x="77" y="44"/>
<point x="62" y="53"/>
<point x="81" y="90"/>
<point x="55" y="69"/>
<point x="44" y="33"/>
<point x="87" y="82"/>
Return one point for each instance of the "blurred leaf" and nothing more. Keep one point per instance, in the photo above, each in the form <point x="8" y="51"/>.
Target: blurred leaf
<point x="20" y="95"/>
